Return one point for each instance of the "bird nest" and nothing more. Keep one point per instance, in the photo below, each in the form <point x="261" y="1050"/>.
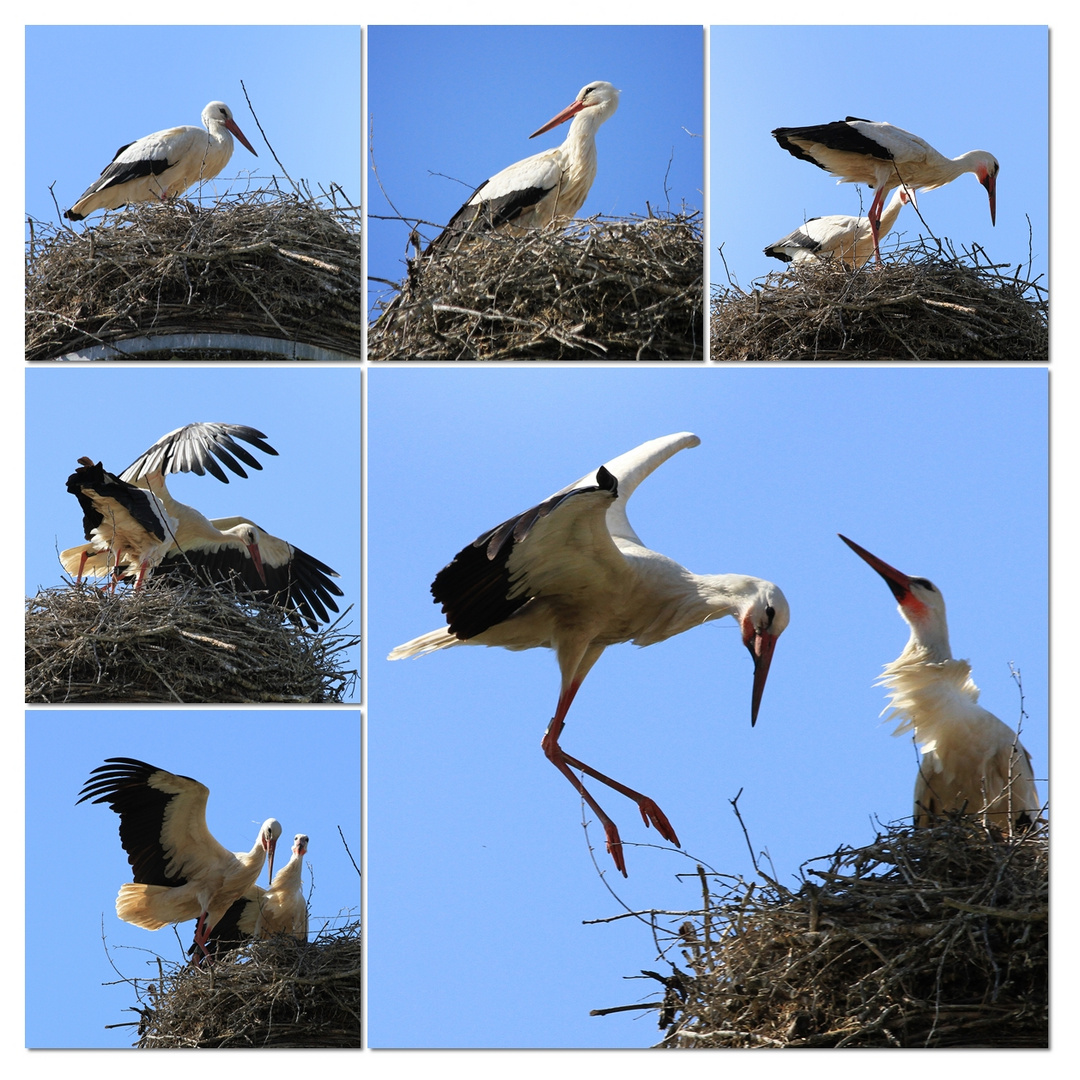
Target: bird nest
<point x="275" y="993"/>
<point x="177" y="642"/>
<point x="272" y="277"/>
<point x="601" y="290"/>
<point x="923" y="303"/>
<point x="925" y="938"/>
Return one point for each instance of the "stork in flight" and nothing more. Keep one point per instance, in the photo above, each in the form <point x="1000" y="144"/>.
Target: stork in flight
<point x="163" y="165"/>
<point x="838" y="236"/>
<point x="971" y="760"/>
<point x="262" y="913"/>
<point x="572" y="575"/>
<point x="219" y="548"/>
<point x="547" y="188"/>
<point x="883" y="157"/>
<point x="179" y="870"/>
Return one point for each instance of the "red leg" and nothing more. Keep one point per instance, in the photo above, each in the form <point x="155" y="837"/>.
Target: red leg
<point x="875" y="219"/>
<point x="650" y="812"/>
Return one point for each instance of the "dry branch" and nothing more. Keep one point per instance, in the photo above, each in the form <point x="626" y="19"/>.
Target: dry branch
<point x="169" y="642"/>
<point x="924" y="303"/>
<point x="602" y="290"/>
<point x="931" y="938"/>
<point x="273" y="266"/>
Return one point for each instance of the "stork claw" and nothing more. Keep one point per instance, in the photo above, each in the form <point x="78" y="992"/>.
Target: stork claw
<point x="651" y="814"/>
<point x="614" y="846"/>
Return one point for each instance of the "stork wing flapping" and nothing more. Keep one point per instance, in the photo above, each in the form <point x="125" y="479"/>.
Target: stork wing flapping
<point x="194" y="447"/>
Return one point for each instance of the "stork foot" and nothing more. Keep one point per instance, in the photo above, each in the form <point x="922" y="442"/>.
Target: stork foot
<point x="614" y="846"/>
<point x="651" y="814"/>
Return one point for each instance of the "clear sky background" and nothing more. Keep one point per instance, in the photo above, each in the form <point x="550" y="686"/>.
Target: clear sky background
<point x="303" y="82"/>
<point x="301" y="767"/>
<point x="958" y="87"/>
<point x="476" y="843"/>
<point x="473" y="95"/>
<point x="308" y="494"/>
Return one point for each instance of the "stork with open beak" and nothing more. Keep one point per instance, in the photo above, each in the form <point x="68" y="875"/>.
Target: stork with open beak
<point x="163" y="165"/>
<point x="971" y="760"/>
<point x="883" y="157"/>
<point x="571" y="574"/>
<point x="548" y="188"/>
<point x="179" y="869"/>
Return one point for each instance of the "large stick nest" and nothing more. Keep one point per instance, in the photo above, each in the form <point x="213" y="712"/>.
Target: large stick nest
<point x="275" y="993"/>
<point x="930" y="937"/>
<point x="604" y="289"/>
<point x="177" y="642"/>
<point x="923" y="303"/>
<point x="273" y="265"/>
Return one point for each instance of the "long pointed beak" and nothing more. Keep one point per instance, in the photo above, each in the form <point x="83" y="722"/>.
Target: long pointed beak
<point x="271" y="847"/>
<point x="231" y="125"/>
<point x="761" y="648"/>
<point x="990" y="183"/>
<point x="256" y="558"/>
<point x="571" y="110"/>
<point x="899" y="583"/>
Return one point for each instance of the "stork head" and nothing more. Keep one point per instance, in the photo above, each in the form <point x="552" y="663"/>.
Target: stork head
<point x="268" y="838"/>
<point x="920" y="603"/>
<point x="217" y="112"/>
<point x="300" y="845"/>
<point x="598" y="100"/>
<point x="762" y="620"/>
<point x="249" y="534"/>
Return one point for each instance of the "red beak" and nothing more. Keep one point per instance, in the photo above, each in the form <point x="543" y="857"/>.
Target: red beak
<point x="231" y="125"/>
<point x="761" y="648"/>
<point x="571" y="110"/>
<point x="256" y="558"/>
<point x="898" y="582"/>
<point x="990" y="183"/>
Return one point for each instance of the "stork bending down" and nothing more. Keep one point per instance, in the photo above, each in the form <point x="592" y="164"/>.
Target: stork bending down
<point x="572" y="575"/>
<point x="883" y="157"/>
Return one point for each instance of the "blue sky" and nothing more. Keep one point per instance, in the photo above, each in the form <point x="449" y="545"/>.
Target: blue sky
<point x="303" y="82"/>
<point x="301" y="767"/>
<point x="308" y="494"/>
<point x="477" y="840"/>
<point x="995" y="98"/>
<point x="474" y="94"/>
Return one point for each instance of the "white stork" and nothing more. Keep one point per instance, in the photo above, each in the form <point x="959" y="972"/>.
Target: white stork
<point x="262" y="913"/>
<point x="971" y="761"/>
<point x="220" y="548"/>
<point x="883" y="157"/>
<point x="164" y="164"/>
<point x="125" y="525"/>
<point x="180" y="871"/>
<point x="572" y="575"/>
<point x="838" y="236"/>
<point x="549" y="187"/>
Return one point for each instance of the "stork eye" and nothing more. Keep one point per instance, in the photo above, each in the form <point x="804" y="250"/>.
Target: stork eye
<point x="924" y="583"/>
<point x="770" y="613"/>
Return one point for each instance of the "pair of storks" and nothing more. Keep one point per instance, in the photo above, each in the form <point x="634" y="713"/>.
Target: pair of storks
<point x="134" y="526"/>
<point x="885" y="158"/>
<point x="181" y="872"/>
<point x="571" y="575"/>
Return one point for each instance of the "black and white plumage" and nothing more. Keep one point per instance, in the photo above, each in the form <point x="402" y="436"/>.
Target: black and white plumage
<point x="971" y="760"/>
<point x="232" y="547"/>
<point x="847" y="239"/>
<point x="125" y="526"/>
<point x="572" y="575"/>
<point x="179" y="870"/>
<point x="164" y="164"/>
<point x="262" y="913"/>
<point x="547" y="188"/>
<point x="884" y="157"/>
